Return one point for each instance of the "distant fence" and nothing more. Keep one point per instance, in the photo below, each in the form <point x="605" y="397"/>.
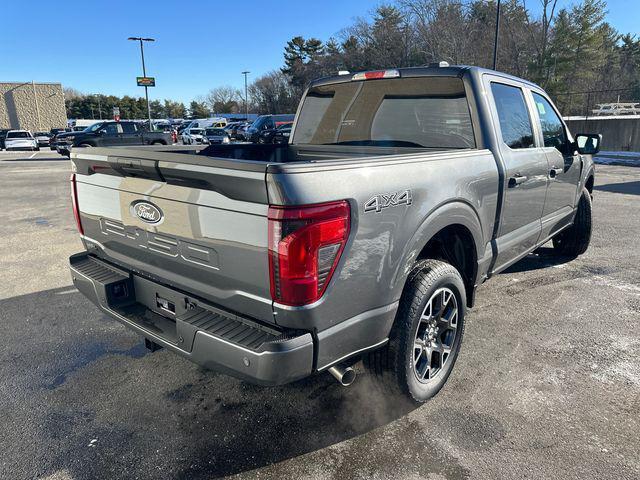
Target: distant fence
<point x="620" y="133"/>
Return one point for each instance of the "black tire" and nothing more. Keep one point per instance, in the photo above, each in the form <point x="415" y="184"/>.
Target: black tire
<point x="575" y="240"/>
<point x="397" y="366"/>
<point x="85" y="145"/>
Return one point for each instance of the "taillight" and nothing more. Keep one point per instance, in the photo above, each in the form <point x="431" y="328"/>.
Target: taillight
<point x="305" y="244"/>
<point x="74" y="201"/>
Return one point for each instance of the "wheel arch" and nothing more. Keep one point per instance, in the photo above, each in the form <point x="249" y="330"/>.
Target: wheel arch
<point x="452" y="232"/>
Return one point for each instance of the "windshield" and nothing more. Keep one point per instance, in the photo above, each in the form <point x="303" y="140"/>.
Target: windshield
<point x="41" y="134"/>
<point x="216" y="132"/>
<point x="95" y="127"/>
<point x="427" y="112"/>
<point x="260" y="123"/>
<point x="195" y="131"/>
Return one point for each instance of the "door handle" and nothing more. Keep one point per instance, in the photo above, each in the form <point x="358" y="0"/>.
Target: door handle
<point x="516" y="180"/>
<point x="554" y="171"/>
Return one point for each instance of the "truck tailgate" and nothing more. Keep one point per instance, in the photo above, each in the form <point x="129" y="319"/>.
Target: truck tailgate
<point x="188" y="221"/>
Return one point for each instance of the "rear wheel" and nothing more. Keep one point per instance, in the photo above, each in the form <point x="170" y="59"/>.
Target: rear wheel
<point x="426" y="335"/>
<point x="575" y="240"/>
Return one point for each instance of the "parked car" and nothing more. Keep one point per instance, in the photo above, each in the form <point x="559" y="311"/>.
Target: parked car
<point x="43" y="138"/>
<point x="3" y="135"/>
<point x="366" y="237"/>
<point x="216" y="135"/>
<point x="267" y="136"/>
<point x="241" y="132"/>
<point x="193" y="136"/>
<point x="265" y="122"/>
<point x="20" y="140"/>
<point x="282" y="134"/>
<point x="231" y="127"/>
<point x="108" y="134"/>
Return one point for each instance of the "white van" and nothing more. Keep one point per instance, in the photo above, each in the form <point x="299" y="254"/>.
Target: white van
<point x="215" y="122"/>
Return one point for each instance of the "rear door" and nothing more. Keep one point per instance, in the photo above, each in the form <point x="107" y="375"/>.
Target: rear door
<point x="525" y="182"/>
<point x="131" y="135"/>
<point x="563" y="162"/>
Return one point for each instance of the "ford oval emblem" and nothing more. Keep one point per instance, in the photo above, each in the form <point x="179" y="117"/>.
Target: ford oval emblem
<point x="147" y="212"/>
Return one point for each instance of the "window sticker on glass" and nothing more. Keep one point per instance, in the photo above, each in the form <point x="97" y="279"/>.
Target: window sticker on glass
<point x="541" y="109"/>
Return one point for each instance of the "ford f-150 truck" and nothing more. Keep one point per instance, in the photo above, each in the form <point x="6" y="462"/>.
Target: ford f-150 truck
<point x="364" y="238"/>
<point x="109" y="134"/>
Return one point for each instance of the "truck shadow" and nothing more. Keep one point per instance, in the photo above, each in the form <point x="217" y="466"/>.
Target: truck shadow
<point x="543" y="257"/>
<point x="86" y="377"/>
<point x="628" y="188"/>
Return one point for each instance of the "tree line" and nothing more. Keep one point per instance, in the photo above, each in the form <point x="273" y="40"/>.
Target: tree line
<point x="572" y="52"/>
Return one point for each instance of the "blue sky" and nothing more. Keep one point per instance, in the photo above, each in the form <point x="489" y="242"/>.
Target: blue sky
<point x="199" y="45"/>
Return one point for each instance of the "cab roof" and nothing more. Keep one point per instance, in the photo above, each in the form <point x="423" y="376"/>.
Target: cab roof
<point x="424" y="71"/>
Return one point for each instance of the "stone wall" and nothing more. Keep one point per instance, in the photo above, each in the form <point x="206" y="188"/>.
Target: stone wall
<point x="29" y="106"/>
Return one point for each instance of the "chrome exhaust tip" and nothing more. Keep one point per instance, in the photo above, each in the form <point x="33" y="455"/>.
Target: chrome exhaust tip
<point x="345" y="375"/>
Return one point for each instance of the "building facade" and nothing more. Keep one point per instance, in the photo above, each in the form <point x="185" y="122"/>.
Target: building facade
<point x="32" y="106"/>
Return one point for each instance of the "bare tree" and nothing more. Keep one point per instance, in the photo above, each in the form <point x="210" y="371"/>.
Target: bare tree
<point x="225" y="99"/>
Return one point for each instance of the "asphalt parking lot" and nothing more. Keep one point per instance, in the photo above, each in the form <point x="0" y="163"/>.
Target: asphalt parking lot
<point x="547" y="384"/>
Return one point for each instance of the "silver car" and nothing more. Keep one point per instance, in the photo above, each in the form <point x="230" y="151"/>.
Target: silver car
<point x="42" y="138"/>
<point x="216" y="135"/>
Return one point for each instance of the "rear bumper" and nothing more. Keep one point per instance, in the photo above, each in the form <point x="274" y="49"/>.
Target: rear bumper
<point x="188" y="326"/>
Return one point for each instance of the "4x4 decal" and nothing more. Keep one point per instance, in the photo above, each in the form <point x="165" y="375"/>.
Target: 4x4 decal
<point x="379" y="202"/>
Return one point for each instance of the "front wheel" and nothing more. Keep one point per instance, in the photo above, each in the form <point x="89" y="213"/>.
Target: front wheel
<point x="426" y="335"/>
<point x="575" y="240"/>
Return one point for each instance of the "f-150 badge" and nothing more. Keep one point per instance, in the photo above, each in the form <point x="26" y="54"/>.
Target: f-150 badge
<point x="379" y="202"/>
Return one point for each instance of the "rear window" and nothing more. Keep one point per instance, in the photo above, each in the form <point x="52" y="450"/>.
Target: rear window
<point x="430" y="112"/>
<point x="18" y="135"/>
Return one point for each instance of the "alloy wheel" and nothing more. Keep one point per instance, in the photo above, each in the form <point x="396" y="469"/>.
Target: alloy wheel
<point x="436" y="335"/>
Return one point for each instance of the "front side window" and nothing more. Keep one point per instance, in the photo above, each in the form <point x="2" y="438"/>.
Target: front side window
<point x="427" y="112"/>
<point x="552" y="127"/>
<point x="111" y="129"/>
<point x="128" y="127"/>
<point x="515" y="123"/>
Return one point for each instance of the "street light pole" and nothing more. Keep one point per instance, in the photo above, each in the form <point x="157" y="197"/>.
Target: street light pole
<point x="246" y="98"/>
<point x="144" y="70"/>
<point x="495" y="42"/>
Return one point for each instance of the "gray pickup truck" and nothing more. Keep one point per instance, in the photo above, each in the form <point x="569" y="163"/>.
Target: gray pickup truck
<point x="364" y="238"/>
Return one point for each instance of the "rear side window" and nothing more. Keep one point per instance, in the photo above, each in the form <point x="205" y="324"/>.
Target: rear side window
<point x="427" y="112"/>
<point x="515" y="122"/>
<point x="552" y="127"/>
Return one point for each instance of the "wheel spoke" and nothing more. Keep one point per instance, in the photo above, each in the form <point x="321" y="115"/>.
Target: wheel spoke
<point x="424" y="367"/>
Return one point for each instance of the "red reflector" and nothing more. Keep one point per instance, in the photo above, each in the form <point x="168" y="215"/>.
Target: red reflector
<point x="305" y="244"/>
<point x="74" y="202"/>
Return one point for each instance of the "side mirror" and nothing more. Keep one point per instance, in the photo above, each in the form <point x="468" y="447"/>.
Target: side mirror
<point x="588" y="143"/>
<point x="101" y="132"/>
